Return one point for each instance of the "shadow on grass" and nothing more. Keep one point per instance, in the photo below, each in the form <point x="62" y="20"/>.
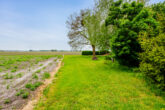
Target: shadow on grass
<point x="136" y="72"/>
<point x="153" y="88"/>
<point x="117" y="67"/>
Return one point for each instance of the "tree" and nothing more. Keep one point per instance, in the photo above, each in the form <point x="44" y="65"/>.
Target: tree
<point x="159" y="10"/>
<point x="83" y="30"/>
<point x="138" y="1"/>
<point x="104" y="33"/>
<point x="129" y="19"/>
<point x="88" y="28"/>
<point x="77" y="32"/>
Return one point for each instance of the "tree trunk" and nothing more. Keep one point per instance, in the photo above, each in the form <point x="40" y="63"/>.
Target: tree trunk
<point x="94" y="53"/>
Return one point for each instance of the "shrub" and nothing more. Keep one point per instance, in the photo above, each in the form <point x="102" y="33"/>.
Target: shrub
<point x="108" y="58"/>
<point x="129" y="19"/>
<point x="87" y="53"/>
<point x="97" y="52"/>
<point x="153" y="59"/>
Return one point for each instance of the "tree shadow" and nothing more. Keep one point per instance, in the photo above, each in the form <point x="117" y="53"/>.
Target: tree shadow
<point x="136" y="72"/>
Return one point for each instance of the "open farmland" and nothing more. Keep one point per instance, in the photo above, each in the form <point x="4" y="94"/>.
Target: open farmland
<point x="21" y="75"/>
<point x="40" y="53"/>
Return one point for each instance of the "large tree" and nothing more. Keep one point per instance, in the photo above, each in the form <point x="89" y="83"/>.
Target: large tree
<point x="159" y="10"/>
<point x="83" y="30"/>
<point x="101" y="10"/>
<point x="129" y="19"/>
<point x="88" y="27"/>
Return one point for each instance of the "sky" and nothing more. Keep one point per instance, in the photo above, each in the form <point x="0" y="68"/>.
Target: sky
<point x="37" y="24"/>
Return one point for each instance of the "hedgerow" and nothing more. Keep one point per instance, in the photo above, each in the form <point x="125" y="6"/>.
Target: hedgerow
<point x="97" y="52"/>
<point x="153" y="59"/>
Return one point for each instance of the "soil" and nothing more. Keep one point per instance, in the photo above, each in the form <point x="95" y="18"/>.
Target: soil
<point x="9" y="87"/>
<point x="31" y="103"/>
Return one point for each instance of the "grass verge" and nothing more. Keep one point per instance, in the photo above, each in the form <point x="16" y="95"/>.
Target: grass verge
<point x="83" y="84"/>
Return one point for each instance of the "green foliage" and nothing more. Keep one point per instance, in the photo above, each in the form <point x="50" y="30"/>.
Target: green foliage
<point x="8" y="86"/>
<point x="35" y="76"/>
<point x="46" y="75"/>
<point x="159" y="10"/>
<point x="9" y="59"/>
<point x="34" y="86"/>
<point x="153" y="58"/>
<point x="25" y="95"/>
<point x="19" y="75"/>
<point x="109" y="57"/>
<point x="38" y="71"/>
<point x="84" y="84"/>
<point x="7" y="101"/>
<point x="129" y="19"/>
<point x="20" y="92"/>
<point x="13" y="70"/>
<point x="87" y="53"/>
<point x="8" y="76"/>
<point x="97" y="52"/>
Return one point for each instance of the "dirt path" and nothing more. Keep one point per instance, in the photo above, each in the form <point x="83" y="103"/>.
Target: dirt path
<point x="31" y="103"/>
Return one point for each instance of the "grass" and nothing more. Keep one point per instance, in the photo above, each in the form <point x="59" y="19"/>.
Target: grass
<point x="19" y="60"/>
<point x="83" y="84"/>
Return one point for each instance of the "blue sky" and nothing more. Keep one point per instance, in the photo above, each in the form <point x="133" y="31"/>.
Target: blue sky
<point x="37" y="24"/>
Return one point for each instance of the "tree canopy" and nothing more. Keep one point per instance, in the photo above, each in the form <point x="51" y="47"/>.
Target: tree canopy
<point x="129" y="19"/>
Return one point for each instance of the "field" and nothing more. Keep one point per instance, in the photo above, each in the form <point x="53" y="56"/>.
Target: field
<point x="40" y="53"/>
<point x="83" y="84"/>
<point x="21" y="74"/>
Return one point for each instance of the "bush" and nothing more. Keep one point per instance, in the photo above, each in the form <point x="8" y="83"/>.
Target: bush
<point x="108" y="58"/>
<point x="129" y="19"/>
<point x="97" y="52"/>
<point x="87" y="53"/>
<point x="153" y="59"/>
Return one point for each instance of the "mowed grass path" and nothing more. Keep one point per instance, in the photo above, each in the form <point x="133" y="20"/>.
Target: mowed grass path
<point x="83" y="84"/>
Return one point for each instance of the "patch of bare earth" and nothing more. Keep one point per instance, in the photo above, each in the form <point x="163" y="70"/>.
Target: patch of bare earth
<point x="31" y="103"/>
<point x="10" y="87"/>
